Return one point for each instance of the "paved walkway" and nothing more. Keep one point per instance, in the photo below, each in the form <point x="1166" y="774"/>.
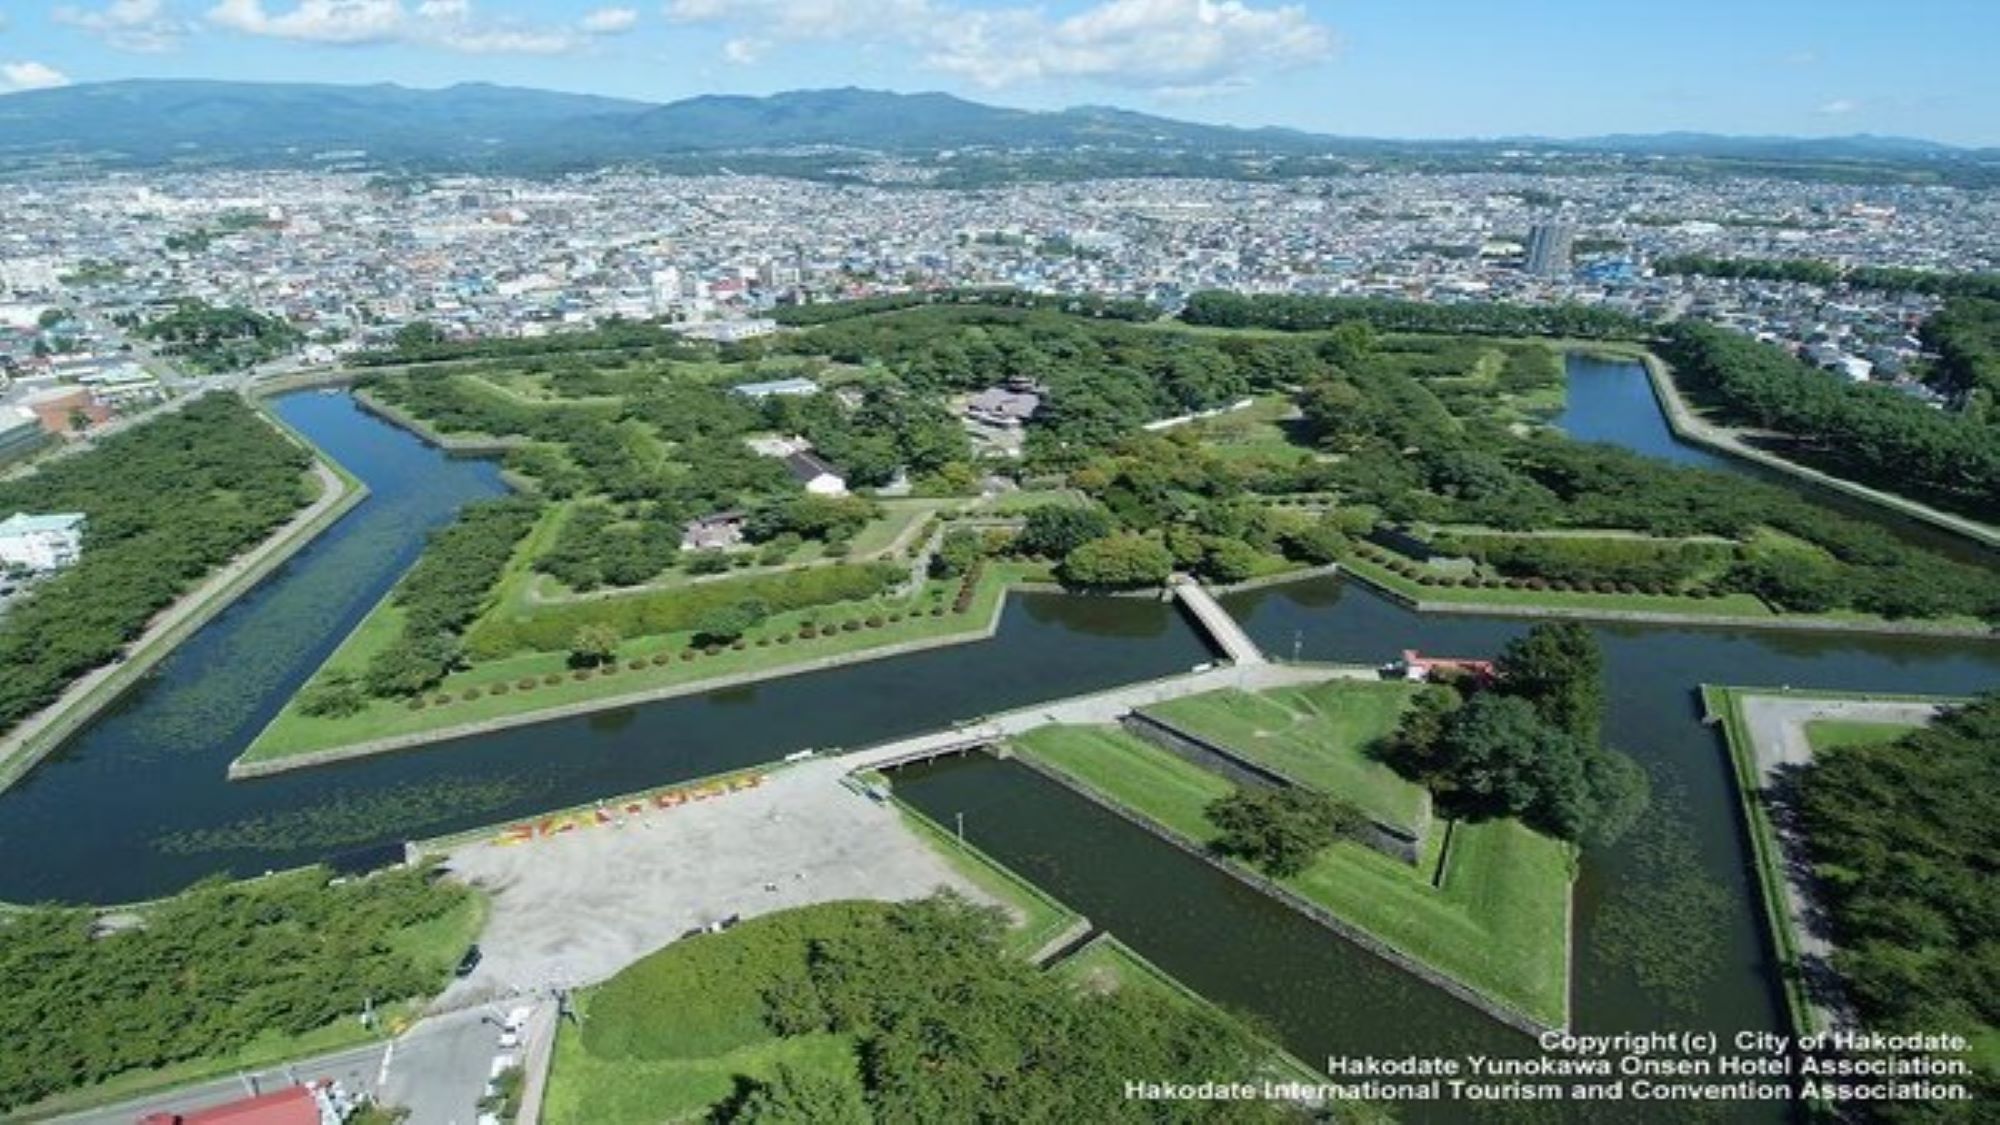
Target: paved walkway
<point x="1102" y="707"/>
<point x="1687" y="424"/>
<point x="1780" y="750"/>
<point x="1226" y="631"/>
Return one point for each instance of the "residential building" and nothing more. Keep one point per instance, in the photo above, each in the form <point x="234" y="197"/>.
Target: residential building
<point x="818" y="477"/>
<point x="1000" y="406"/>
<point x="718" y="532"/>
<point x="762" y="391"/>
<point x="20" y="435"/>
<point x="41" y="543"/>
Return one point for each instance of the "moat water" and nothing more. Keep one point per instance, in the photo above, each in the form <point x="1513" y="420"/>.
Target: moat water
<point x="1666" y="925"/>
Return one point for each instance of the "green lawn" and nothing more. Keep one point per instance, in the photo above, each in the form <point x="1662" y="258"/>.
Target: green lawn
<point x="1831" y="734"/>
<point x="1498" y="924"/>
<point x="1038" y="918"/>
<point x="293" y="733"/>
<point x="586" y="1090"/>
<point x="1168" y="789"/>
<point x="1317" y="735"/>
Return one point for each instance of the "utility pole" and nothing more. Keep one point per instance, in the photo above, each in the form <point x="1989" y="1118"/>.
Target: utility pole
<point x="1298" y="643"/>
<point x="961" y="826"/>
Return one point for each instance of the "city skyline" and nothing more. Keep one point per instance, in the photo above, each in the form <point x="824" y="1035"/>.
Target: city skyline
<point x="1364" y="68"/>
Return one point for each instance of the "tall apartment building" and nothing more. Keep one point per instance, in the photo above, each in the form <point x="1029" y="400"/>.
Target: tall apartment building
<point x="1548" y="249"/>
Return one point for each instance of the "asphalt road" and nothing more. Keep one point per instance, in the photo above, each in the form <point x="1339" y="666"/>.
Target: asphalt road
<point x="356" y="1069"/>
<point x="440" y="1068"/>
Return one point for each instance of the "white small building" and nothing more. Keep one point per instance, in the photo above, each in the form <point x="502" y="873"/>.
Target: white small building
<point x="818" y="477"/>
<point x="41" y="543"/>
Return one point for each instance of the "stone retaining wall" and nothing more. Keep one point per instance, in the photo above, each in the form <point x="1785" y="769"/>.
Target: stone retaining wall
<point x="1391" y="840"/>
<point x="1520" y="1021"/>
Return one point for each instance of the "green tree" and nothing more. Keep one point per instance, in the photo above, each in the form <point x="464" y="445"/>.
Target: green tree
<point x="335" y="695"/>
<point x="727" y="623"/>
<point x="1280" y="830"/>
<point x="1559" y="668"/>
<point x="799" y="1097"/>
<point x="1054" y="530"/>
<point x="957" y="551"/>
<point x="594" y="644"/>
<point x="1230" y="560"/>
<point x="1118" y="562"/>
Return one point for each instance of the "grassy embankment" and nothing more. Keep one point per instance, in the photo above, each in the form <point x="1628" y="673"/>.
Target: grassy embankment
<point x="1496" y="920"/>
<point x="1037" y="917"/>
<point x="679" y="1032"/>
<point x="1317" y="735"/>
<point x="648" y="664"/>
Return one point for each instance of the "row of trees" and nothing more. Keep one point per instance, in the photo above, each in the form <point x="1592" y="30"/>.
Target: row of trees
<point x="206" y="972"/>
<point x="1082" y="304"/>
<point x="1292" y="313"/>
<point x="1873" y="434"/>
<point x="1527" y="746"/>
<point x="1409" y="456"/>
<point x="167" y="503"/>
<point x="1903" y="838"/>
<point x="445" y="592"/>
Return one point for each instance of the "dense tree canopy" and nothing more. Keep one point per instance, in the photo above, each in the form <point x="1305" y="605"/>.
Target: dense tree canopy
<point x="205" y="972"/>
<point x="446" y="591"/>
<point x="1526" y="746"/>
<point x="1904" y="838"/>
<point x="1298" y="313"/>
<point x="1873" y="434"/>
<point x="167" y="502"/>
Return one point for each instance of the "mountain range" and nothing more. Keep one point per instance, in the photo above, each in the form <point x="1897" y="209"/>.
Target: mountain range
<point x="149" y="123"/>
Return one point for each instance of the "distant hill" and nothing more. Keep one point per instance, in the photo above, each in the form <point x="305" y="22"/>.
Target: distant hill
<point x="147" y="123"/>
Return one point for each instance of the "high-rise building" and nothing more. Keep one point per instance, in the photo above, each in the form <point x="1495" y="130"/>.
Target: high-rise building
<point x="1548" y="249"/>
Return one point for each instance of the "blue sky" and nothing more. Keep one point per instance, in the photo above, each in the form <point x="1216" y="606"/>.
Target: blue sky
<point x="1404" y="68"/>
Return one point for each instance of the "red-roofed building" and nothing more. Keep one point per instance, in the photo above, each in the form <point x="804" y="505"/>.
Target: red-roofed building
<point x="291" y="1106"/>
<point x="1417" y="667"/>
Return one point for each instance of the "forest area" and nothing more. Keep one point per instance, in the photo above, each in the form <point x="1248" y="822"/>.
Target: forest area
<point x="213" y="969"/>
<point x="167" y="502"/>
<point x="1903" y="836"/>
<point x="1866" y="433"/>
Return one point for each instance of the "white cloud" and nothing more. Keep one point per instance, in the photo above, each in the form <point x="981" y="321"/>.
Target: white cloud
<point x="129" y="25"/>
<point x="316" y="21"/>
<point x="744" y="52"/>
<point x="31" y="76"/>
<point x="450" y="24"/>
<point x="1838" y="107"/>
<point x="1174" y="44"/>
<point x="813" y="19"/>
<point x="1185" y="47"/>
<point x="610" y="21"/>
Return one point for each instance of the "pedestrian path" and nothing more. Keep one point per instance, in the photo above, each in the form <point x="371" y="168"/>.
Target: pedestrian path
<point x="1227" y="633"/>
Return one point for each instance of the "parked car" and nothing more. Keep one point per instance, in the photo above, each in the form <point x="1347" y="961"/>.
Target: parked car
<point x="468" y="962"/>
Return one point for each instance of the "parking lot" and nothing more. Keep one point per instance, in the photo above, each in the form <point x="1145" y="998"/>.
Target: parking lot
<point x="575" y="908"/>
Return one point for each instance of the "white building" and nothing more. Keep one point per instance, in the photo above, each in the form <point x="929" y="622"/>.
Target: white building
<point x="41" y="543"/>
<point x="818" y="477"/>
